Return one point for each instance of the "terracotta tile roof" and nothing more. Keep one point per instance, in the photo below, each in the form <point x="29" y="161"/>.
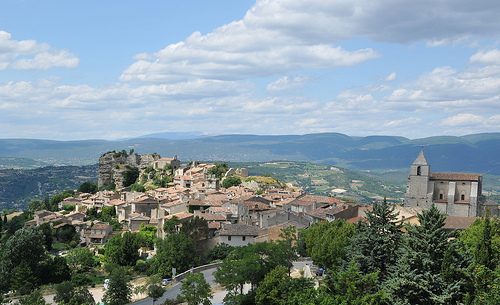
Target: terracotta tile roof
<point x="455" y="176"/>
<point x="459" y="223"/>
<point x="300" y="202"/>
<point x="225" y="210"/>
<point x="138" y="217"/>
<point x="319" y="199"/>
<point x="284" y="201"/>
<point x="214" y="225"/>
<point x="239" y="230"/>
<point x="319" y="213"/>
<point x="255" y="205"/>
<point x="171" y="203"/>
<point x="354" y="219"/>
<point x="100" y="226"/>
<point x="216" y="199"/>
<point x="114" y="202"/>
<point x="213" y="217"/>
<point x="180" y="216"/>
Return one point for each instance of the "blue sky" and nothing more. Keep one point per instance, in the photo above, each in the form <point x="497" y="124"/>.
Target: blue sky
<point x="114" y="69"/>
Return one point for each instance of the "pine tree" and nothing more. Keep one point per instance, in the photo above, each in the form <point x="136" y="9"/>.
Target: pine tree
<point x="376" y="241"/>
<point x="417" y="277"/>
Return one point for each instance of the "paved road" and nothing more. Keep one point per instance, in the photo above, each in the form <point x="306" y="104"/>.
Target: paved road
<point x="175" y="289"/>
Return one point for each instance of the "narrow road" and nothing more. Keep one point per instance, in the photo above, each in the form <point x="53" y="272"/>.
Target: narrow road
<point x="175" y="289"/>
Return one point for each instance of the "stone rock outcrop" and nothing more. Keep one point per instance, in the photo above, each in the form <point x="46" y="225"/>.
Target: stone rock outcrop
<point x="113" y="164"/>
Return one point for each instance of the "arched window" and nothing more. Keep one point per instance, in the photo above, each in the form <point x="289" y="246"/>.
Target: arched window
<point x="441" y="196"/>
<point x="419" y="171"/>
<point x="462" y="197"/>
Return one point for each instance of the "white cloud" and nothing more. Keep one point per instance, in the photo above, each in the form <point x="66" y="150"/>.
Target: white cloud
<point x="407" y="122"/>
<point x="391" y="77"/>
<point x="280" y="37"/>
<point x="463" y="119"/>
<point x="288" y="83"/>
<point x="31" y="55"/>
<point x="491" y="57"/>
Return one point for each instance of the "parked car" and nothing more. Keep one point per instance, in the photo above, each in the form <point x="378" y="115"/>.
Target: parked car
<point x="320" y="272"/>
<point x="167" y="281"/>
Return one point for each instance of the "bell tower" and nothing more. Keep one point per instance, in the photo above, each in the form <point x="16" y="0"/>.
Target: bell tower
<point x="417" y="188"/>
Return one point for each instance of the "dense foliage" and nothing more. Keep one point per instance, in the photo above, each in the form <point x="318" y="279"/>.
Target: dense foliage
<point x="377" y="261"/>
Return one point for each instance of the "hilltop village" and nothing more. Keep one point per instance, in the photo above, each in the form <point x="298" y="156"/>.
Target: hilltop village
<point x="254" y="210"/>
<point x="250" y="212"/>
<point x="158" y="217"/>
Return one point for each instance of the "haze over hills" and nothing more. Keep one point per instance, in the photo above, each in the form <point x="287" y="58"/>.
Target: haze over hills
<point x="470" y="153"/>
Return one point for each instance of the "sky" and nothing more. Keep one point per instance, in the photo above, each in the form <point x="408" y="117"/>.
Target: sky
<point x="74" y="70"/>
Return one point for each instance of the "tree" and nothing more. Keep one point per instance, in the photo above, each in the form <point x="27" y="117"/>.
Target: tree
<point x="35" y="206"/>
<point x="219" y="170"/>
<point x="22" y="275"/>
<point x="376" y="241"/>
<point x="196" y="228"/>
<point x="170" y="225"/>
<point x="35" y="298"/>
<point x="417" y="279"/>
<point x="155" y="292"/>
<point x="64" y="292"/>
<point x="67" y="233"/>
<point x="119" y="290"/>
<point x="152" y="287"/>
<point x="81" y="259"/>
<point x="130" y="176"/>
<point x="286" y="247"/>
<point x="147" y="235"/>
<point x="108" y="213"/>
<point x="48" y="232"/>
<point x="231" y="181"/>
<point x="326" y="242"/>
<point x="351" y="287"/>
<point x="481" y="242"/>
<point x="279" y="288"/>
<point x="88" y="187"/>
<point x="176" y="251"/>
<point x="122" y="249"/>
<point x="219" y="252"/>
<point x="26" y="246"/>
<point x="195" y="290"/>
<point x="248" y="264"/>
<point x="54" y="201"/>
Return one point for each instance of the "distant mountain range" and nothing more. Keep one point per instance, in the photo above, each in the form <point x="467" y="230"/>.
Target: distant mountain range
<point x="472" y="153"/>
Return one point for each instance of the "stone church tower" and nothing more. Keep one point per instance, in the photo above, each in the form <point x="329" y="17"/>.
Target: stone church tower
<point x="417" y="189"/>
<point x="455" y="194"/>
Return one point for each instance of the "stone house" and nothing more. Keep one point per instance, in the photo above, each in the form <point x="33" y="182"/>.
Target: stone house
<point x="135" y="220"/>
<point x="237" y="234"/>
<point x="162" y="162"/>
<point x="99" y="233"/>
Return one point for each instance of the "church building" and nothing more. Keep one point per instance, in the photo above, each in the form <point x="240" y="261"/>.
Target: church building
<point x="455" y="194"/>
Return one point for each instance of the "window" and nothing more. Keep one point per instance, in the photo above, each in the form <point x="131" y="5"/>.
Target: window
<point x="244" y="238"/>
<point x="229" y="238"/>
<point x="462" y="197"/>
<point x="419" y="171"/>
<point x="440" y="196"/>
